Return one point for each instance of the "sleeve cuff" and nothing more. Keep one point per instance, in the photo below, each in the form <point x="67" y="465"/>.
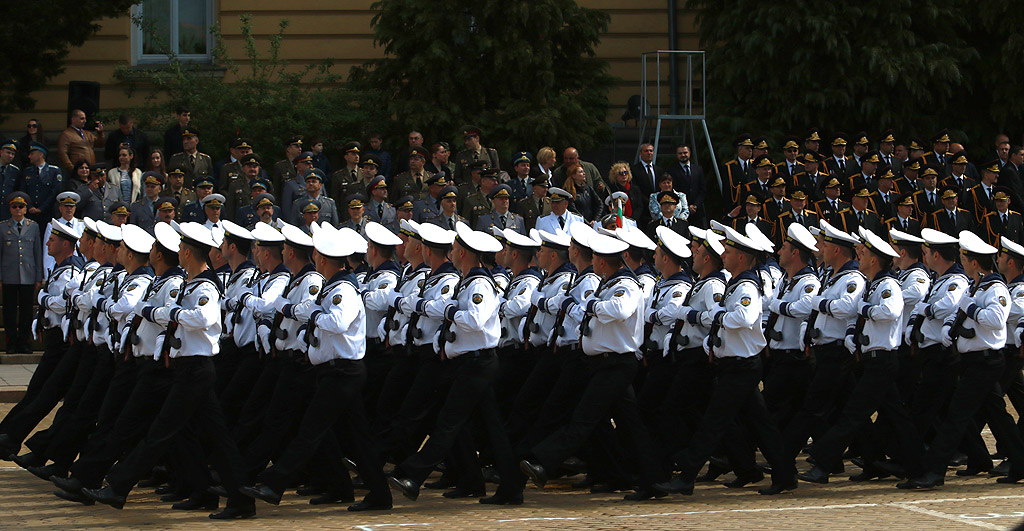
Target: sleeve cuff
<point x="566" y="303"/>
<point x="823" y="307"/>
<point x="147" y="313"/>
<point x="288" y="310"/>
<point x="173" y="316"/>
<point x="865" y="310"/>
<point x="972" y="311"/>
<point x="421" y="305"/>
<point x="718" y="317"/>
<point x="693" y="317"/>
<point x="449" y="312"/>
<point x="928" y="311"/>
<point x="590" y="305"/>
<point x="784" y="309"/>
<point x="542" y="304"/>
<point x="101" y="304"/>
<point x="314" y="315"/>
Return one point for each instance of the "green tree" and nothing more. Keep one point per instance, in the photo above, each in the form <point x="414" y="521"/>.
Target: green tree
<point x="525" y="72"/>
<point x="259" y="98"/>
<point x="36" y="38"/>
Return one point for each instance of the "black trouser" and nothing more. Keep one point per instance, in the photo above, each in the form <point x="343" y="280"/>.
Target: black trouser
<point x="18" y="300"/>
<point x="875" y="390"/>
<point x="190" y="401"/>
<point x="735" y="397"/>
<point x="785" y="384"/>
<point x="514" y="366"/>
<point x="225" y="362"/>
<point x="684" y="404"/>
<point x="561" y="400"/>
<point x="938" y="378"/>
<point x="250" y="418"/>
<point x="1012" y="383"/>
<point x="608" y="393"/>
<point x="243" y="380"/>
<point x="831" y="367"/>
<point x="395" y="386"/>
<point x="295" y="385"/>
<point x="404" y="433"/>
<point x="661" y="370"/>
<point x="993" y="412"/>
<point x="40" y="440"/>
<point x="122" y="383"/>
<point x="378" y="361"/>
<point x="65" y="444"/>
<point x="979" y="373"/>
<point x="151" y="386"/>
<point x="53" y="352"/>
<point x="533" y="393"/>
<point x="336" y="405"/>
<point x="471" y="377"/>
<point x="50" y="393"/>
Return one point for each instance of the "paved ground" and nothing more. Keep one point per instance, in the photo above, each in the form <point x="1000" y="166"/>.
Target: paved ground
<point x="26" y="503"/>
<point x="15" y="375"/>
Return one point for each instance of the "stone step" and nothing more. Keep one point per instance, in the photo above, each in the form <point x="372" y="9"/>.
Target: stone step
<point x="11" y="394"/>
<point x="21" y="359"/>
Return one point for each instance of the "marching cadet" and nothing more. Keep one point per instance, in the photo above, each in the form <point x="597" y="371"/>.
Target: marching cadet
<point x="839" y="164"/>
<point x="357" y="260"/>
<point x="335" y="333"/>
<point x="791" y="369"/>
<point x="859" y="214"/>
<point x="537" y="205"/>
<point x="501" y="217"/>
<point x="873" y="341"/>
<point x="1002" y="222"/>
<point x="379" y="210"/>
<point x="515" y="359"/>
<point x="926" y="198"/>
<point x="950" y="218"/>
<point x="400" y="335"/>
<point x="813" y="178"/>
<point x="40" y="182"/>
<point x="739" y="171"/>
<point x="381" y="284"/>
<point x="1011" y="264"/>
<point x="241" y="340"/>
<point x="980" y="199"/>
<point x="495" y="263"/>
<point x="832" y="313"/>
<point x="194" y="211"/>
<point x="566" y="332"/>
<point x="977" y="331"/>
<point x="467" y="343"/>
<point x="828" y="209"/>
<point x="933" y="369"/>
<point x="21" y="258"/>
<point x="212" y="205"/>
<point x="671" y="293"/>
<point x="914" y="284"/>
<point x="637" y="259"/>
<point x="194" y="328"/>
<point x="328" y="209"/>
<point x="904" y="220"/>
<point x="136" y="245"/>
<point x="734" y="343"/>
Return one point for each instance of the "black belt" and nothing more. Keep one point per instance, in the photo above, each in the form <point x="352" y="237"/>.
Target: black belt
<point x="877" y="354"/>
<point x="735" y="359"/>
<point x="482" y="353"/>
<point x="188" y="361"/>
<point x="794" y="353"/>
<point x="610" y="354"/>
<point x="340" y="362"/>
<point x="986" y="353"/>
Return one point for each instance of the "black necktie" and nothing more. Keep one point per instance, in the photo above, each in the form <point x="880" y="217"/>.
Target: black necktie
<point x="19" y="226"/>
<point x="686" y="170"/>
<point x="380" y="211"/>
<point x="860" y="217"/>
<point x="451" y="224"/>
<point x="501" y="217"/>
<point x="906" y="228"/>
<point x="1004" y="218"/>
<point x="952" y="218"/>
<point x="988" y="193"/>
<point x="561" y="222"/>
<point x="842" y="166"/>
<point x="942" y="160"/>
<point x="650" y="172"/>
<point x="931" y="197"/>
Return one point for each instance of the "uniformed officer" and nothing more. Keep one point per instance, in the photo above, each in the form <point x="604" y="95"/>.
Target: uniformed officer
<point x="403" y="210"/>
<point x="378" y="209"/>
<point x="980" y="198"/>
<point x="839" y="164"/>
<point x="447" y="217"/>
<point x="40" y="182"/>
<point x="335" y="334"/>
<point x="536" y="205"/>
<point x="176" y="187"/>
<point x="212" y="205"/>
<point x="196" y="165"/>
<point x="284" y="170"/>
<point x="328" y="211"/>
<point x="739" y="171"/>
<point x="143" y="211"/>
<point x="428" y="207"/>
<point x="501" y="217"/>
<point x="904" y="220"/>
<point x="1001" y="222"/>
<point x="194" y="211"/>
<point x="950" y="218"/>
<point x="415" y="181"/>
<point x="294" y="188"/>
<point x="473" y="152"/>
<point x="262" y="208"/>
<point x="873" y="341"/>
<point x="240" y="190"/>
<point x="357" y="219"/>
<point x="813" y="178"/>
<point x="977" y="331"/>
<point x="829" y="207"/>
<point x="10" y="175"/>
<point x="340" y="182"/>
<point x="832" y="313"/>
<point x="560" y="218"/>
<point x="734" y="343"/>
<point x="21" y="271"/>
<point x="381" y="283"/>
<point x="860" y="214"/>
<point x="231" y="172"/>
<point x="310" y="212"/>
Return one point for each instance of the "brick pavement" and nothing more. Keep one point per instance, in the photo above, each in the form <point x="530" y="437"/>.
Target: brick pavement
<point x="964" y="503"/>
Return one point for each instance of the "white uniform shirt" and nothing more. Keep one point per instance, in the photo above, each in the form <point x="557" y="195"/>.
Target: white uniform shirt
<point x="85" y="282"/>
<point x="123" y="304"/>
<point x="339" y="321"/>
<point x="161" y="292"/>
<point x="793" y="305"/>
<point x="987" y="306"/>
<point x="668" y="296"/>
<point x="882" y="310"/>
<point x="438" y="290"/>
<point x="60" y="281"/>
<point x="380" y="288"/>
<point x="516" y="305"/>
<point x="614" y="321"/>
<point x="474" y="317"/>
<point x="412" y="284"/>
<point x="555" y="284"/>
<point x="648" y="278"/>
<point x="550" y="224"/>
<point x="264" y="301"/>
<point x="705" y="295"/>
<point x="297" y="303"/>
<point x="101" y="332"/>
<point x="197" y="313"/>
<point x="838" y="304"/>
<point x="582" y="290"/>
<point x="241" y="281"/>
<point x="941" y="304"/>
<point x="914" y="282"/>
<point x="48" y="262"/>
<point x="1016" y="288"/>
<point x="739" y="316"/>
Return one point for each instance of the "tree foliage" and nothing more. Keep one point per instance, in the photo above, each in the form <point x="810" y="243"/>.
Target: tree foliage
<point x="525" y="72"/>
<point x="258" y="97"/>
<point x="36" y="38"/>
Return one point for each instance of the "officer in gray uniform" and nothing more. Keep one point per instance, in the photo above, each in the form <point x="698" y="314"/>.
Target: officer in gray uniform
<point x="314" y="192"/>
<point x="429" y="207"/>
<point x="501" y="216"/>
<point x="21" y="270"/>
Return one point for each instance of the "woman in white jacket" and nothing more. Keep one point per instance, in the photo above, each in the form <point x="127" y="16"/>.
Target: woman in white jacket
<point x="125" y="181"/>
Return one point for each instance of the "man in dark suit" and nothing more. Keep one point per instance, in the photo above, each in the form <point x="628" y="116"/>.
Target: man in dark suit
<point x="926" y="199"/>
<point x="1010" y="177"/>
<point x="886" y="149"/>
<point x="688" y="178"/>
<point x="797" y="213"/>
<point x="860" y="214"/>
<point x="951" y="219"/>
<point x="738" y="171"/>
<point x="865" y="175"/>
<point x="838" y="164"/>
<point x="668" y="203"/>
<point x="957" y="165"/>
<point x="791" y="167"/>
<point x="829" y="208"/>
<point x="763" y="169"/>
<point x="1002" y="221"/>
<point x="904" y="219"/>
<point x="645" y="173"/>
<point x="907" y="183"/>
<point x="814" y="176"/>
<point x="980" y="198"/>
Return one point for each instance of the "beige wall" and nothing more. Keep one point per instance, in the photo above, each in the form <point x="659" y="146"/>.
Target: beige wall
<point x="321" y="28"/>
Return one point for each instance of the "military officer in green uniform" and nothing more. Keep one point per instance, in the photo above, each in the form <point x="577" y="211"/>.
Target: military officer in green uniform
<point x="195" y="164"/>
<point x="176" y="188"/>
<point x="537" y="205"/>
<point x="474" y="152"/>
<point x="232" y="171"/>
<point x="414" y="181"/>
<point x="285" y="169"/>
<point x="478" y="203"/>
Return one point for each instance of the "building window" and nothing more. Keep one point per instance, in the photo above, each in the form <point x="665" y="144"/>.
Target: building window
<point x="166" y="28"/>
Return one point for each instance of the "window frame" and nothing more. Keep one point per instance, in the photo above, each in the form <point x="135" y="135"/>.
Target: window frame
<point x="137" y="37"/>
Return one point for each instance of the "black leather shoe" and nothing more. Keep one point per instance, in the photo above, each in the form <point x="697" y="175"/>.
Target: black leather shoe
<point x="1002" y="469"/>
<point x="460" y="492"/>
<point x="712" y="474"/>
<point x="611" y="486"/>
<point x="958" y="459"/>
<point x="972" y="471"/>
<point x="407" y="487"/>
<point x="209" y="503"/>
<point x="71" y="484"/>
<point x="106" y="496"/>
<point x="643" y="494"/>
<point x="869" y="474"/>
<point x="744" y="480"/>
<point x="503" y="499"/>
<point x="262" y="492"/>
<point x="369" y="506"/>
<point x="777" y="488"/>
<point x="44" y="472"/>
<point x="175" y="497"/>
<point x="573" y="466"/>
<point x="350" y="465"/>
<point x="28" y="460"/>
<point x="329" y="497"/>
<point x="164" y="489"/>
<point x="444" y="483"/>
<point x="536" y="473"/>
<point x="677" y="485"/>
<point x="309" y="490"/>
<point x="1010" y="478"/>
<point x="814" y="475"/>
<point x="491" y="475"/>
<point x="926" y="481"/>
<point x="73" y="497"/>
<point x="235" y="513"/>
<point x="585" y="483"/>
<point x="8" y="448"/>
<point x="890" y="467"/>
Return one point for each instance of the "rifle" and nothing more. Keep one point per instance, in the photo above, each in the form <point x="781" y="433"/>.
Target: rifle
<point x="276" y="331"/>
<point x="557" y="330"/>
<point x="810" y="333"/>
<point x="132" y="337"/>
<point x="528" y="326"/>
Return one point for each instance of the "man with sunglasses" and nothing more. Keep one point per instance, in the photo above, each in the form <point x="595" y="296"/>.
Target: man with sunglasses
<point x="21" y="255"/>
<point x="9" y="173"/>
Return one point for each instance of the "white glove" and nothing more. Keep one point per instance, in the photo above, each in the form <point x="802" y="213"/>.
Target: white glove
<point x="35" y="323"/>
<point x="535" y="296"/>
<point x="158" y="345"/>
<point x="944" y="335"/>
<point x="263" y="336"/>
<point x="392" y="296"/>
<point x="707" y="344"/>
<point x="65" y="326"/>
<point x="381" y="332"/>
<point x="849" y="344"/>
